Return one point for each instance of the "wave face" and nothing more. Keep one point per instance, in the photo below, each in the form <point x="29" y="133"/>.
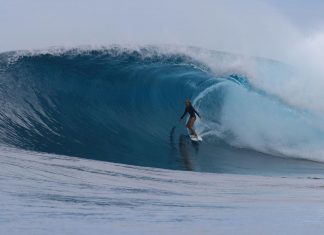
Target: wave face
<point x="119" y="105"/>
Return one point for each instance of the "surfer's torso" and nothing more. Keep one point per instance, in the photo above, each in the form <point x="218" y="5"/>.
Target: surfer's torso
<point x="191" y="111"/>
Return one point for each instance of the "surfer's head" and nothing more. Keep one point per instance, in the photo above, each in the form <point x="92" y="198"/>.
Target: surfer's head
<point x="188" y="102"/>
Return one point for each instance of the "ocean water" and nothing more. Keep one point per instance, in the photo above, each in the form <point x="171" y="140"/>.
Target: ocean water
<point x="91" y="143"/>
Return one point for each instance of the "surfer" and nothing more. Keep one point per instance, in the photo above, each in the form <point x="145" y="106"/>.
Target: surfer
<point x="192" y="112"/>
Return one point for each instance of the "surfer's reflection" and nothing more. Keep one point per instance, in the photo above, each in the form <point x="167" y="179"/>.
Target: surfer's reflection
<point x="184" y="149"/>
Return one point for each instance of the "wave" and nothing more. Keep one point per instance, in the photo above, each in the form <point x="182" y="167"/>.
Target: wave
<point x="119" y="104"/>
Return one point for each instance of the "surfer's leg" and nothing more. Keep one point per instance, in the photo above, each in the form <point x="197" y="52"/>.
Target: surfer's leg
<point x="191" y="122"/>
<point x="188" y="125"/>
<point x="192" y="132"/>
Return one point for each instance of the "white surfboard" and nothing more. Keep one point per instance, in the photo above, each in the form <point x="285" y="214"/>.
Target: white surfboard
<point x="194" y="138"/>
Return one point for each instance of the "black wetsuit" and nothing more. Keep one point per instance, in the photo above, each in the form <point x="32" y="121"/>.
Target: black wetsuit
<point x="191" y="112"/>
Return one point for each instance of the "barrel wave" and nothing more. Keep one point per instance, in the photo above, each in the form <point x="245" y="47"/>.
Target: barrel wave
<point x="123" y="105"/>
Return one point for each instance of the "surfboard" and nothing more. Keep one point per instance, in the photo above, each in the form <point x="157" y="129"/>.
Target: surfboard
<point x="196" y="139"/>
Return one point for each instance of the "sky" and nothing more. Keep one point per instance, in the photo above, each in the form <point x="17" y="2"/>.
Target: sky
<point x="308" y="15"/>
<point x="246" y="27"/>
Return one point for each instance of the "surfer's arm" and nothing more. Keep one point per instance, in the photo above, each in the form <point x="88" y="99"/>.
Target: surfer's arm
<point x="197" y="113"/>
<point x="184" y="114"/>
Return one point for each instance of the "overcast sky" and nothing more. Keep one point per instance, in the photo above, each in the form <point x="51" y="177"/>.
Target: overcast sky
<point x="248" y="26"/>
<point x="306" y="14"/>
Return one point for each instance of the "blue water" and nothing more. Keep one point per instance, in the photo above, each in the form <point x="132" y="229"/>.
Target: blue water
<point x="85" y="133"/>
<point x="123" y="105"/>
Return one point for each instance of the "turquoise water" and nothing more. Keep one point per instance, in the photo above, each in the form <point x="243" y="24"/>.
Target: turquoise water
<point x="122" y="105"/>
